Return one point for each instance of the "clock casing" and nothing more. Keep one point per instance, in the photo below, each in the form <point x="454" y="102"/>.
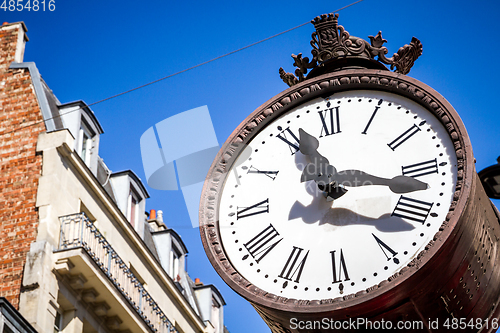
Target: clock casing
<point x="450" y="272"/>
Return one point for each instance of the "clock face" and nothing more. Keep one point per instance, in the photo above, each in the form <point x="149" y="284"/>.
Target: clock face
<point x="285" y="237"/>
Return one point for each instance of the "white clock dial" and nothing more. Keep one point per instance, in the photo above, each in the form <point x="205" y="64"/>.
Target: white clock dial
<point x="287" y="239"/>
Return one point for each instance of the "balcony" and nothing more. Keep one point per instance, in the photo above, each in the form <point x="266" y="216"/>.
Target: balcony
<point x="84" y="256"/>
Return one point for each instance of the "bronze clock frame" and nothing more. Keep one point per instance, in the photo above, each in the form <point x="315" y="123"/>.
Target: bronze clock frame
<point x="453" y="277"/>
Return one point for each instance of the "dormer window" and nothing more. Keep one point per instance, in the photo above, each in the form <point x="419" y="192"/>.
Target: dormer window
<point x="130" y="195"/>
<point x="79" y="119"/>
<point x="210" y="303"/>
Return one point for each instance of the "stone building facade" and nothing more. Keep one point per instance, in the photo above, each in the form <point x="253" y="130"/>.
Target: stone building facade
<point x="77" y="252"/>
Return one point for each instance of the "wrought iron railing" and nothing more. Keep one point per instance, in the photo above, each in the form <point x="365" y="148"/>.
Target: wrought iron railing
<point x="78" y="231"/>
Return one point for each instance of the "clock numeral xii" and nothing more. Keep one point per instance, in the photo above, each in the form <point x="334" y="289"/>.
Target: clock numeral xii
<point x="333" y="125"/>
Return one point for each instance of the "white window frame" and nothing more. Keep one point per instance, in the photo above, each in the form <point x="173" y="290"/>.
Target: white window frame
<point x="133" y="208"/>
<point x="215" y="314"/>
<point x="58" y="322"/>
<point x="175" y="262"/>
<point x="85" y="143"/>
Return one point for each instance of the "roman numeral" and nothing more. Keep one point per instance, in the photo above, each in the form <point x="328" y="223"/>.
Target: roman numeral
<point x="373" y="116"/>
<point x="412" y="209"/>
<point x="270" y="174"/>
<point x="290" y="139"/>
<point x="262" y="244"/>
<point x="342" y="268"/>
<point x="420" y="169"/>
<point x="383" y="246"/>
<point x="258" y="208"/>
<point x="294" y="265"/>
<point x="405" y="136"/>
<point x="330" y="121"/>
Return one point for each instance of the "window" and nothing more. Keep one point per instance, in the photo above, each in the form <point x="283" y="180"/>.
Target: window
<point x="85" y="143"/>
<point x="215" y="314"/>
<point x="133" y="208"/>
<point x="58" y="323"/>
<point x="175" y="258"/>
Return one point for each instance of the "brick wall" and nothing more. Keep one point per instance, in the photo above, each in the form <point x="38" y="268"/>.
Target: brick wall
<point x="20" y="166"/>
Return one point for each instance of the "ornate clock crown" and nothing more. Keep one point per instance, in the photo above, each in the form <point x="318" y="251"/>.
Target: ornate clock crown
<point x="334" y="48"/>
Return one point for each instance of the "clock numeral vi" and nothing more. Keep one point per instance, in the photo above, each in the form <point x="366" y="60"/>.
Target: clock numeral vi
<point x="294" y="265"/>
<point x="258" y="208"/>
<point x="262" y="244"/>
<point x="342" y="268"/>
<point x="290" y="139"/>
<point x="405" y="136"/>
<point x="420" y="169"/>
<point x="383" y="246"/>
<point x="330" y="121"/>
<point x="412" y="209"/>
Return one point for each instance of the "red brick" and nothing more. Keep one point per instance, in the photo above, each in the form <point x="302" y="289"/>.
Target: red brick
<point x="20" y="168"/>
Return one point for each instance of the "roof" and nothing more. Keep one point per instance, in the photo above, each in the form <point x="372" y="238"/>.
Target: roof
<point x="175" y="235"/>
<point x="134" y="177"/>
<point x="214" y="290"/>
<point x="85" y="108"/>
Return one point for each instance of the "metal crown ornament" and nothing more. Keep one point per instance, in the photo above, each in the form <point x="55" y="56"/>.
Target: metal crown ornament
<point x="334" y="48"/>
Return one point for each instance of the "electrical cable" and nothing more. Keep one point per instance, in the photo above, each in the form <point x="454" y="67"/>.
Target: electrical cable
<point x="177" y="73"/>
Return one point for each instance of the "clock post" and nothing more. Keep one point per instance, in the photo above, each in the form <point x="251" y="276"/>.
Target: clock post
<point x="385" y="223"/>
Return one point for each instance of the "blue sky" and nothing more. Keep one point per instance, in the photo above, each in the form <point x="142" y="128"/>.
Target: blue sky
<point x="91" y="50"/>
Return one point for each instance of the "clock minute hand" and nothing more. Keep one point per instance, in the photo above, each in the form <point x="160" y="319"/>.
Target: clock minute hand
<point x="398" y="184"/>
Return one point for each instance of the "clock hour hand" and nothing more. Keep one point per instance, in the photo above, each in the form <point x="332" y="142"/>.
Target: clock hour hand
<point x="398" y="184"/>
<point x="308" y="145"/>
<point x="319" y="169"/>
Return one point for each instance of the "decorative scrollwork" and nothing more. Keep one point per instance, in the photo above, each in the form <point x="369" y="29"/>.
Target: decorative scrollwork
<point x="331" y="41"/>
<point x="288" y="78"/>
<point x="403" y="60"/>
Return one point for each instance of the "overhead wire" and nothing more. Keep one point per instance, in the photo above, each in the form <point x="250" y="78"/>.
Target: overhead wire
<point x="176" y="73"/>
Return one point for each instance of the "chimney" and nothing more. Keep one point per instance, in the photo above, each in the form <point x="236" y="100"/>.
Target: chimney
<point x="13" y="39"/>
<point x="197" y="282"/>
<point x="156" y="221"/>
<point x="152" y="214"/>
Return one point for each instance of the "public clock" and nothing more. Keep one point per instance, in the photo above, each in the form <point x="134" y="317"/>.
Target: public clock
<point x="353" y="194"/>
<point x="288" y="237"/>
